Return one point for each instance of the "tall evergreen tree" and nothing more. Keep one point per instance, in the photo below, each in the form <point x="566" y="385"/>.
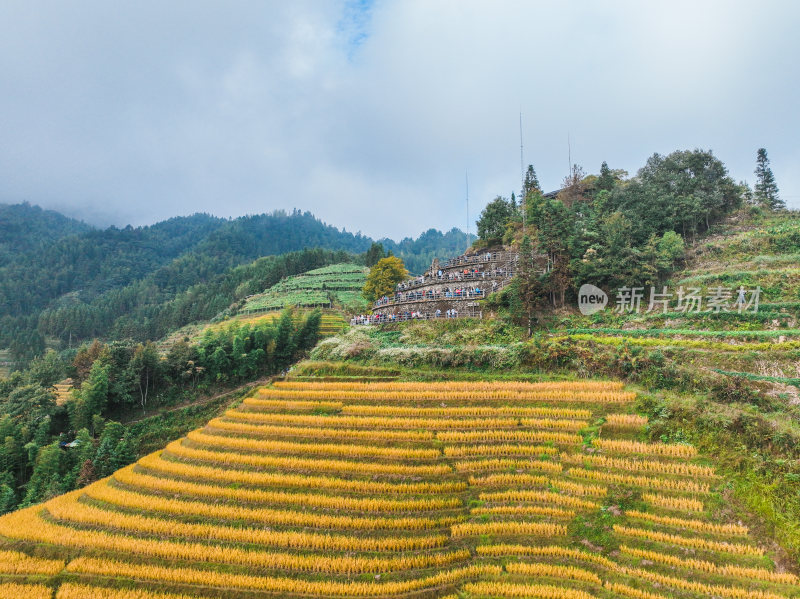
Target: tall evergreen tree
<point x="308" y="335"/>
<point x="526" y="290"/>
<point x="93" y="395"/>
<point x="747" y="193"/>
<point x="44" y="482"/>
<point x="493" y="220"/>
<point x="766" y="191"/>
<point x="373" y="254"/>
<point x="531" y="182"/>
<point x="554" y="222"/>
<point x="606" y="179"/>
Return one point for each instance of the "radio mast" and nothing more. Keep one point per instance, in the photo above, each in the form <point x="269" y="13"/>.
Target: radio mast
<point x="569" y="156"/>
<point x="521" y="160"/>
<point x="466" y="180"/>
<point x="522" y="173"/>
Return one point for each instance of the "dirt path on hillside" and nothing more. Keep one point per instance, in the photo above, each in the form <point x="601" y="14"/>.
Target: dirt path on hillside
<point x="203" y="400"/>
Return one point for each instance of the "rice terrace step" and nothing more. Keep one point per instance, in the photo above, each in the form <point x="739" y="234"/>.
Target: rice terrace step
<point x="400" y="489"/>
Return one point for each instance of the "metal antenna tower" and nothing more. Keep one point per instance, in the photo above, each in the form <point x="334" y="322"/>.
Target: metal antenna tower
<point x="466" y="178"/>
<point x="521" y="160"/>
<point x="522" y="172"/>
<point x="569" y="156"/>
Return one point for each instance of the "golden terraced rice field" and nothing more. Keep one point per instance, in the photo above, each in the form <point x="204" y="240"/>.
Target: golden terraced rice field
<point x="331" y="489"/>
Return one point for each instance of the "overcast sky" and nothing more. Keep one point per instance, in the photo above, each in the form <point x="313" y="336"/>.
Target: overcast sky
<point x="370" y="114"/>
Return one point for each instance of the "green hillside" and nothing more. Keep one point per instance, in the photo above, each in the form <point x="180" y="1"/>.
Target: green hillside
<point x="681" y="478"/>
<point x="336" y="289"/>
<point x="727" y="381"/>
<point x="335" y="285"/>
<point x="26" y="229"/>
<point x="64" y="281"/>
<point x="748" y="252"/>
<point x="5" y="363"/>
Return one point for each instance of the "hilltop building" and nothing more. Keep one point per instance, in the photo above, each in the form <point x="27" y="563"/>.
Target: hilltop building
<point x="453" y="285"/>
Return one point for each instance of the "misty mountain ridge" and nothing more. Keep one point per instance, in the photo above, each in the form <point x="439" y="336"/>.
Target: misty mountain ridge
<point x="63" y="280"/>
<point x="24" y="227"/>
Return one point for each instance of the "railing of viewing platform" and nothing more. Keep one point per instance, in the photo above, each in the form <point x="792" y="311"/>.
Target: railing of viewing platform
<point x="419" y="296"/>
<point x="375" y="319"/>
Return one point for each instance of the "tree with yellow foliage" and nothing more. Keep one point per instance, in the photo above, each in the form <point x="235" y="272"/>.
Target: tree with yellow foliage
<point x="384" y="277"/>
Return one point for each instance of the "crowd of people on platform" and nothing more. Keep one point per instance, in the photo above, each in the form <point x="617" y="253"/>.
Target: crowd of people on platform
<point x="381" y="318"/>
<point x="430" y="294"/>
<point x="467" y="274"/>
<point x="486" y="257"/>
<point x="408" y="291"/>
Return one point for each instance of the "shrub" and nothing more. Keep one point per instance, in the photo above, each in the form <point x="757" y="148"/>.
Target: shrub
<point x="735" y="389"/>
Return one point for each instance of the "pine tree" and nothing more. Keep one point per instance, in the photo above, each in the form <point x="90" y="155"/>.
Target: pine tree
<point x="373" y="254"/>
<point x="124" y="453"/>
<point x="531" y="181"/>
<point x="747" y="193"/>
<point x="308" y="335"/>
<point x="93" y="395"/>
<point x="766" y="191"/>
<point x="526" y="290"/>
<point x="493" y="220"/>
<point x="606" y="179"/>
<point x="44" y="482"/>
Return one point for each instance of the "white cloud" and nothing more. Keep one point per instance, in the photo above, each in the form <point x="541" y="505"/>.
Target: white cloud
<point x="369" y="115"/>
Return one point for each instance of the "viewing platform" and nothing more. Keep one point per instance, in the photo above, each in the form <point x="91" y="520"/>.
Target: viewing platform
<point x="448" y="289"/>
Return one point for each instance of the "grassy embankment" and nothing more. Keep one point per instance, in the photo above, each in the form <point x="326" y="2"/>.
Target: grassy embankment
<point x="337" y="286"/>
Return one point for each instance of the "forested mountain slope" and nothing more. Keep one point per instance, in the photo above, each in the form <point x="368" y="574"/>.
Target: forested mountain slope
<point x="62" y="282"/>
<point x="25" y="228"/>
<point x="418" y="253"/>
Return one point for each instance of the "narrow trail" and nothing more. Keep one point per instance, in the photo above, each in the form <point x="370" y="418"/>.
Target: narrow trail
<point x="204" y="400"/>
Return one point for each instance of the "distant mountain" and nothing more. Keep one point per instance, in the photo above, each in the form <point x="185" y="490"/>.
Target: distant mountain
<point x="67" y="281"/>
<point x="94" y="261"/>
<point x="25" y="228"/>
<point x="417" y="254"/>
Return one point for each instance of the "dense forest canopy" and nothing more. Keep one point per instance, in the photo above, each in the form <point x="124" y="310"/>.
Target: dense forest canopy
<point x="25" y="229"/>
<point x="609" y="229"/>
<point x="63" y="282"/>
<point x="417" y="254"/>
<point x="115" y="380"/>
